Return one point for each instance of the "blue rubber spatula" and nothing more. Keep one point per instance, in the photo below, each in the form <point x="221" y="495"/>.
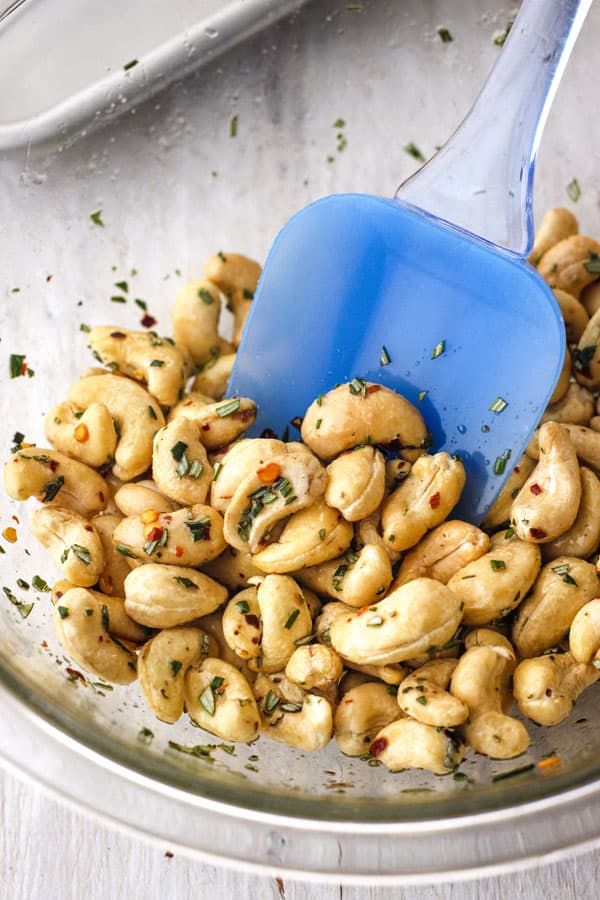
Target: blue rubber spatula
<point x="429" y="293"/>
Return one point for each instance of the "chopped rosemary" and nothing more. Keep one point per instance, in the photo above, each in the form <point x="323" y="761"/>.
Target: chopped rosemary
<point x="200" y="529"/>
<point x="228" y="408"/>
<point x="52" y="489"/>
<point x="414" y="151"/>
<point x="293" y="616"/>
<point x="63" y="611"/>
<point x="243" y="606"/>
<point x="185" y="582"/>
<point x="15" y="364"/>
<point x="592" y="265"/>
<point x="500" y="463"/>
<point x="207" y="700"/>
<point x="498" y="406"/>
<point x="176" y="666"/>
<point x="151" y="412"/>
<point x="496" y="564"/>
<point x="272" y="701"/>
<point x="421" y="395"/>
<point x="129" y="65"/>
<point x="573" y="190"/>
<point x="96" y="218"/>
<point x="512" y="772"/>
<point x="445" y="36"/>
<point x="81" y="553"/>
<point x="438" y="349"/>
<point x="384" y="358"/>
<point x="196" y="469"/>
<point x="39" y="584"/>
<point x="358" y="386"/>
<point x="125" y="551"/>
<point x="205" y="296"/>
<point x="157" y="363"/>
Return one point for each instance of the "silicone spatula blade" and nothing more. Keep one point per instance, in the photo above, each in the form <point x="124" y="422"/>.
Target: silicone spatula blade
<point x="439" y="305"/>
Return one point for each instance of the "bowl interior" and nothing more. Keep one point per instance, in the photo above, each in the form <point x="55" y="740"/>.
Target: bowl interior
<point x="322" y="102"/>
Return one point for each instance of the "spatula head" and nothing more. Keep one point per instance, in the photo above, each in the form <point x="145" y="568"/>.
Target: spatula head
<point x="358" y="286"/>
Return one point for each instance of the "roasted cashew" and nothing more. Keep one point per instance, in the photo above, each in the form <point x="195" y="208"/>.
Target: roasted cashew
<point x="213" y="377"/>
<point x="556" y="225"/>
<point x="87" y="435"/>
<point x="561" y="589"/>
<point x="310" y="537"/>
<point x="356" y="579"/>
<point x="213" y="626"/>
<point x="546" y="687"/>
<point x="442" y="552"/>
<point x="583" y="537"/>
<point x="423" y="500"/>
<point x="219" y="423"/>
<point x="195" y="319"/>
<point x="574" y="315"/>
<point x="590" y="297"/>
<point x="232" y="568"/>
<point x="547" y="504"/>
<point x="285" y="485"/>
<point x="564" y="379"/>
<point x="80" y="623"/>
<point x="221" y="700"/>
<point x="290" y="715"/>
<point x="586" y="358"/>
<point x="408" y="744"/>
<point x="72" y="541"/>
<point x="55" y="480"/>
<point x="396" y="470"/>
<point x="119" y="623"/>
<point x="186" y="537"/>
<point x="481" y="680"/>
<point x="143" y="356"/>
<point x="136" y="413"/>
<point x="367" y="531"/>
<point x="162" y="666"/>
<point x="412" y="618"/>
<point x="361" y="413"/>
<point x="164" y="596"/>
<point x="564" y="265"/>
<point x="576" y="407"/>
<point x="356" y="483"/>
<point x="586" y="442"/>
<point x="424" y="695"/>
<point x="134" y="498"/>
<point x="491" y="586"/>
<point x="285" y="619"/>
<point x="180" y="466"/>
<point x="242" y="625"/>
<point x="584" y="636"/>
<point x="237" y="276"/>
<point x="499" y="514"/>
<point x="241" y="459"/>
<point x="361" y="714"/>
<point x="115" y="568"/>
<point x="315" y="667"/>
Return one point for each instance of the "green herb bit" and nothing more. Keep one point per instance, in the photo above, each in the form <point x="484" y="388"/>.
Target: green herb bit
<point x="459" y="776"/>
<point x="498" y="406"/>
<point x="15" y="364"/>
<point x="218" y="468"/>
<point x="322" y="534"/>
<point x="52" y="489"/>
<point x="151" y="412"/>
<point x="496" y="564"/>
<point x="384" y="357"/>
<point x="414" y="151"/>
<point x="141" y="303"/>
<point x="508" y="534"/>
<point x="130" y="64"/>
<point x="227" y="748"/>
<point x="125" y="551"/>
<point x="573" y="190"/>
<point x="175" y="666"/>
<point x="207" y="700"/>
<point x="39" y="584"/>
<point x="500" y="462"/>
<point x="318" y="423"/>
<point x="205" y="296"/>
<point x="499" y="42"/>
<point x="307" y="639"/>
<point x="445" y="36"/>
<point x="438" y="349"/>
<point x="233" y="126"/>
<point x="82" y="553"/>
<point x="451" y="753"/>
<point x="358" y="386"/>
<point x="291" y="707"/>
<point x="178" y="450"/>
<point x="63" y="611"/>
<point x="96" y="218"/>
<point x="374" y="622"/>
<point x="183" y="466"/>
<point x="596" y="663"/>
<point x="145" y="736"/>
<point x="228" y="408"/>
<point x="200" y="529"/>
<point x="157" y="363"/>
<point x="105" y="617"/>
<point x="592" y="265"/>
<point x="243" y="606"/>
<point x="185" y="582"/>
<point x="339" y="123"/>
<point x="422" y="700"/>
<point x="196" y="469"/>
<point x="24" y="585"/>
<point x="272" y="701"/>
<point x="293" y="616"/>
<point x="421" y="395"/>
<point x="149" y="547"/>
<point x="247" y="294"/>
<point x="513" y="772"/>
<point x="201" y="751"/>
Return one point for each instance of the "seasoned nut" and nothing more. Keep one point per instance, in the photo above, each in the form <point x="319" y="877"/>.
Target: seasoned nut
<point x="242" y="459"/>
<point x="444" y="551"/>
<point x="408" y="744"/>
<point x="564" y="265"/>
<point x="285" y="619"/>
<point x="546" y="687"/>
<point x="213" y="377"/>
<point x="584" y="636"/>
<point x="292" y="716"/>
<point x="80" y="623"/>
<point x="87" y="435"/>
<point x="186" y="537"/>
<point x="134" y="498"/>
<point x="547" y="504"/>
<point x="361" y="412"/>
<point x="423" y="500"/>
<point x="583" y="537"/>
<point x="363" y="711"/>
<point x="499" y="513"/>
<point x="423" y="695"/>
<point x="576" y="407"/>
<point x="180" y="466"/>
<point x="72" y="542"/>
<point x="574" y="315"/>
<point x="195" y="319"/>
<point x="220" y="700"/>
<point x="55" y="480"/>
<point x="242" y="625"/>
<point x="218" y="423"/>
<point x="356" y="579"/>
<point x="556" y="225"/>
<point x="314" y="666"/>
<point x="232" y="568"/>
<point x="115" y="568"/>
<point x="165" y="596"/>
<point x="356" y="483"/>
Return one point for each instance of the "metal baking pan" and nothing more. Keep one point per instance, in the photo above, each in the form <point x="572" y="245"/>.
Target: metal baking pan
<point x="66" y="64"/>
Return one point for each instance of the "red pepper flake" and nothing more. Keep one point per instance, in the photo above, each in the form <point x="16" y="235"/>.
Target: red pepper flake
<point x="251" y="619"/>
<point x="101" y="495"/>
<point x="378" y="746"/>
<point x="155" y="533"/>
<point x="485" y="427"/>
<point x="537" y="533"/>
<point x="580" y="721"/>
<point x="517" y="469"/>
<point x="24" y="368"/>
<point x="269" y="473"/>
<point x="148" y="321"/>
<point x="88" y="527"/>
<point x="48" y="277"/>
<point x="373" y="388"/>
<point x="205" y="427"/>
<point x="178" y="551"/>
<point x="167" y="518"/>
<point x="53" y="465"/>
<point x="168" y="854"/>
<point x="535" y="489"/>
<point x="44" y="644"/>
<point x="363" y="610"/>
<point x="76" y="674"/>
<point x="15" y="519"/>
<point x="434" y="501"/>
<point x="118" y="334"/>
<point x="188" y="402"/>
<point x="9" y="534"/>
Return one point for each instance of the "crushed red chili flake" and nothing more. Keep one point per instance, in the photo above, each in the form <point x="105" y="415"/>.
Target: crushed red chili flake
<point x="205" y="427"/>
<point x="53" y="465"/>
<point x="537" y="533"/>
<point x="15" y="519"/>
<point x="378" y="746"/>
<point x="44" y="644"/>
<point x="155" y="533"/>
<point x="435" y="500"/>
<point x="485" y="427"/>
<point x="267" y="474"/>
<point x="373" y="388"/>
<point x="580" y="721"/>
<point x="251" y="619"/>
<point x="178" y="551"/>
<point x="101" y="495"/>
<point x="517" y="469"/>
<point x="535" y="489"/>
<point x="118" y="334"/>
<point x="76" y="674"/>
<point x="168" y="854"/>
<point x="48" y="277"/>
<point x="148" y="321"/>
<point x="88" y="527"/>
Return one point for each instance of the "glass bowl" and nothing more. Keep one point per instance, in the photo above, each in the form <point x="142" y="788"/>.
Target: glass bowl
<point x="326" y="100"/>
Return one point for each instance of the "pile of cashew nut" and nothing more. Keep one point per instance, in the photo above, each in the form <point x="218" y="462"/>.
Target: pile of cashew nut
<point x="316" y="589"/>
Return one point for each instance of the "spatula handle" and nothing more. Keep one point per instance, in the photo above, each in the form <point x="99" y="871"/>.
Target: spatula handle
<point x="482" y="178"/>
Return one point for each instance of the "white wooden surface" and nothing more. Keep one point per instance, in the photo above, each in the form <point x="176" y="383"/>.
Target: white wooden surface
<point x="49" y="852"/>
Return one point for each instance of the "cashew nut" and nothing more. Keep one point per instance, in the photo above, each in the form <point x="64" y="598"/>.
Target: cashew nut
<point x="134" y="498"/>
<point x="55" y="480"/>
<point x="408" y="744"/>
<point x="556" y="225"/>
<point x="361" y="714"/>
<point x="546" y="687"/>
<point x="186" y="537"/>
<point x="564" y="264"/>
<point x="424" y="695"/>
<point x="444" y="551"/>
<point x="576" y="407"/>
<point x="115" y="568"/>
<point x="214" y="375"/>
<point x="356" y="483"/>
<point x="584" y="636"/>
<point x="356" y="579"/>
<point x="119" y="623"/>
<point x="72" y="542"/>
<point x="164" y="596"/>
<point x="219" y="423"/>
<point x="314" y="667"/>
<point x="87" y="435"/>
<point x="221" y="700"/>
<point x="180" y="466"/>
<point x="195" y="318"/>
<point x="292" y="716"/>
<point x="583" y="537"/>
